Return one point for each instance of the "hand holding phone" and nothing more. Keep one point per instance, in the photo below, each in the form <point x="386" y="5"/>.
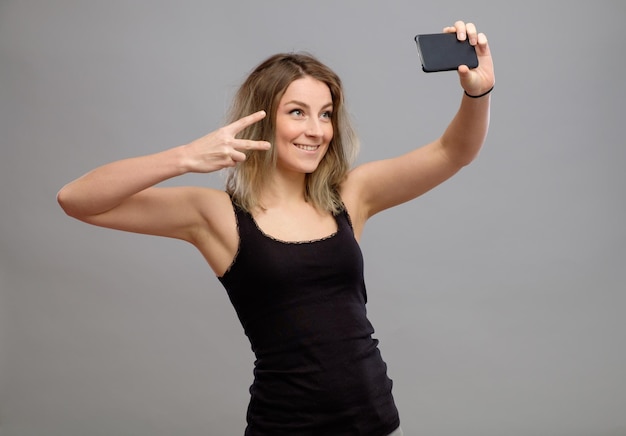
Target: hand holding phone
<point x="444" y="52"/>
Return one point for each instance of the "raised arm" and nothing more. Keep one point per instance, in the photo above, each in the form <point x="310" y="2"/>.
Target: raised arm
<point x="379" y="185"/>
<point x="121" y="195"/>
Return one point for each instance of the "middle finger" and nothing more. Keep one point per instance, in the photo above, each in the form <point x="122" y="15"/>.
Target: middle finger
<point x="249" y="144"/>
<point x="472" y="34"/>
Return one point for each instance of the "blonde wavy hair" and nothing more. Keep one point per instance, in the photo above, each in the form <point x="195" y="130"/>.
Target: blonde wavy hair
<point x="262" y="90"/>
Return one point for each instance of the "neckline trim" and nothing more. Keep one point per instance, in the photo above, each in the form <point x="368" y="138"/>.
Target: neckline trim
<point x="303" y="242"/>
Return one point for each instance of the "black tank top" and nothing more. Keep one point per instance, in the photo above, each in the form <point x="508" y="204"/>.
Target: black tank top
<point x="318" y="371"/>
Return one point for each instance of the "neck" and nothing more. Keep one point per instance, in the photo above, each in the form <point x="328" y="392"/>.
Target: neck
<point x="284" y="189"/>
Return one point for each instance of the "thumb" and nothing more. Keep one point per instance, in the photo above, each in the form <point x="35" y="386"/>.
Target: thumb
<point x="468" y="79"/>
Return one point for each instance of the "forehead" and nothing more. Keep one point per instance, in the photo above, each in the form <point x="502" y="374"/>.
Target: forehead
<point x="307" y="90"/>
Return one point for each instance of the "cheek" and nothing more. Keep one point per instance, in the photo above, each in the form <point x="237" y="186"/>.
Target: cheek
<point x="288" y="132"/>
<point x="329" y="133"/>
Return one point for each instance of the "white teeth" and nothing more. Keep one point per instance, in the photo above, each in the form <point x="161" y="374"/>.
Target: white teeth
<point x="307" y="147"/>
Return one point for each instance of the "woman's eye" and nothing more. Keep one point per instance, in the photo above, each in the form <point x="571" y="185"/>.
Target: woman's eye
<point x="296" y="112"/>
<point x="327" y="114"/>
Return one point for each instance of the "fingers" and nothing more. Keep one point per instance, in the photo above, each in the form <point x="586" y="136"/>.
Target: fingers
<point x="248" y="144"/>
<point x="244" y="122"/>
<point x="231" y="156"/>
<point x="221" y="148"/>
<point x="482" y="47"/>
<point x="239" y="146"/>
<point x="237" y="156"/>
<point x="472" y="35"/>
<point x="227" y="156"/>
<point x="464" y="31"/>
<point x="233" y="151"/>
<point x="474" y="81"/>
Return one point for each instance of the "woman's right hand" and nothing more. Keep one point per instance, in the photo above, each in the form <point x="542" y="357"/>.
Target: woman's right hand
<point x="220" y="148"/>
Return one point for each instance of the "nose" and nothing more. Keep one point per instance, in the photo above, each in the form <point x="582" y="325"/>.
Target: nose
<point x="314" y="127"/>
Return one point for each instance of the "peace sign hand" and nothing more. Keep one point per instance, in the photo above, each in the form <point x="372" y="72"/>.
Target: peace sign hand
<point x="221" y="149"/>
<point x="482" y="78"/>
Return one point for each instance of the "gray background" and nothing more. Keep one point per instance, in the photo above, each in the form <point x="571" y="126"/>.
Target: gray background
<point x="498" y="297"/>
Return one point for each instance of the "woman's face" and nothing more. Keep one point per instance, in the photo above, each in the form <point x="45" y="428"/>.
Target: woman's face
<point x="303" y="125"/>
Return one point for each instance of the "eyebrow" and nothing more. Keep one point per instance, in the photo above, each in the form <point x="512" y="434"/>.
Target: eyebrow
<point x="300" y="103"/>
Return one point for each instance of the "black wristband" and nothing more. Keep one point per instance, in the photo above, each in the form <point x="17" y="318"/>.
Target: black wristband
<point x="481" y="95"/>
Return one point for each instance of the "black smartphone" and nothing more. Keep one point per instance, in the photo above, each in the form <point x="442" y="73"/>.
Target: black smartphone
<point x="443" y="52"/>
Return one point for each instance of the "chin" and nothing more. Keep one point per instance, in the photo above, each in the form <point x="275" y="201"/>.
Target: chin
<point x="311" y="169"/>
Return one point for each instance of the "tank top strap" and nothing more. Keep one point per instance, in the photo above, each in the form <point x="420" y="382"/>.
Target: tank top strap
<point x="346" y="216"/>
<point x="246" y="226"/>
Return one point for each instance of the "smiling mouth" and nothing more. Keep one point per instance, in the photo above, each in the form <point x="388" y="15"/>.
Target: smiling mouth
<point x="307" y="147"/>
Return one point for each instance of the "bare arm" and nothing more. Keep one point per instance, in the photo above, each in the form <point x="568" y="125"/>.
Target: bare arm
<point x="121" y="195"/>
<point x="376" y="186"/>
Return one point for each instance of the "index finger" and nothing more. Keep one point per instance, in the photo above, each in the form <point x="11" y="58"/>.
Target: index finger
<point x="472" y="33"/>
<point x="242" y="123"/>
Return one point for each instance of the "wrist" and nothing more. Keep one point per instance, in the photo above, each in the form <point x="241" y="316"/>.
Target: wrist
<point x="480" y="95"/>
<point x="181" y="159"/>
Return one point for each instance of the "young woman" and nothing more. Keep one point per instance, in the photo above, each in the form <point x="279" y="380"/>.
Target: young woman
<point x="283" y="237"/>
